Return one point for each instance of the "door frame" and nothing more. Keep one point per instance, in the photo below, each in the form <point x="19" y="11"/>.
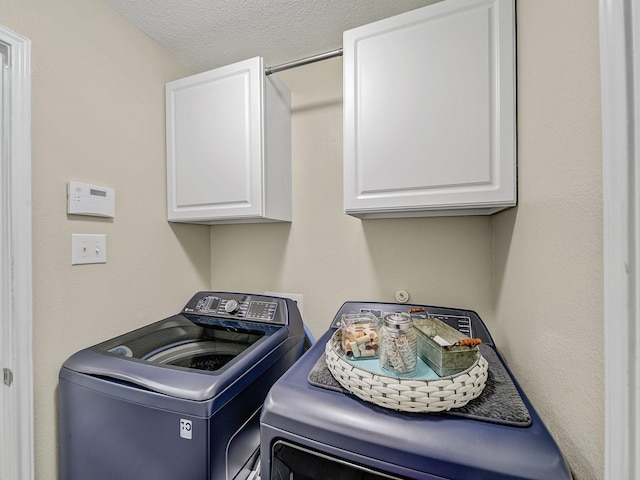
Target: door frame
<point x="620" y="77"/>
<point x="16" y="312"/>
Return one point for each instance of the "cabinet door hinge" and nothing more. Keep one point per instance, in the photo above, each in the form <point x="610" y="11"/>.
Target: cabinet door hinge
<point x="7" y="375"/>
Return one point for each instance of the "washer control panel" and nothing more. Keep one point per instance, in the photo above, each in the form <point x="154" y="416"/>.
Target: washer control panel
<point x="238" y="306"/>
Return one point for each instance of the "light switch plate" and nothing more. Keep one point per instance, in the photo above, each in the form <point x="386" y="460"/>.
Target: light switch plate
<point x="88" y="248"/>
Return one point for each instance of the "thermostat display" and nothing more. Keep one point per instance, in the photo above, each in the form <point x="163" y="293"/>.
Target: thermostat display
<point x="85" y="199"/>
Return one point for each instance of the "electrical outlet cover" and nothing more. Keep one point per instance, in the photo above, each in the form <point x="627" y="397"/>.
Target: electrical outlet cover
<point x="296" y="297"/>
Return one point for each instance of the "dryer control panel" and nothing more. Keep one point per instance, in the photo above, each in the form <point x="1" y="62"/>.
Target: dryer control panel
<point x="239" y="306"/>
<point x="465" y="321"/>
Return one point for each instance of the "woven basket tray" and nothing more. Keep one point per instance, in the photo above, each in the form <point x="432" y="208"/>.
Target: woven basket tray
<point x="407" y="394"/>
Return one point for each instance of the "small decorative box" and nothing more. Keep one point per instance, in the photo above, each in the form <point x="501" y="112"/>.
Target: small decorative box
<point x="446" y="350"/>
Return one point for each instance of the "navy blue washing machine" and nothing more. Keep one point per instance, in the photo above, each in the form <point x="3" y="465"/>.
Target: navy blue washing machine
<point x="312" y="429"/>
<point x="180" y="398"/>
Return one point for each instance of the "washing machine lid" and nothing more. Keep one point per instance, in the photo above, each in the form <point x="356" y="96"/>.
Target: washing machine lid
<point x="186" y="356"/>
<point x="189" y="342"/>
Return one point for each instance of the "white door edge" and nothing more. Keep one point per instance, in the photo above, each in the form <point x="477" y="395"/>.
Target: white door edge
<point x="620" y="55"/>
<point x="16" y="439"/>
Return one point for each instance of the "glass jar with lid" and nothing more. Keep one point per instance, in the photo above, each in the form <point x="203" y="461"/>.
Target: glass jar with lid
<point x="398" y="352"/>
<point x="360" y="336"/>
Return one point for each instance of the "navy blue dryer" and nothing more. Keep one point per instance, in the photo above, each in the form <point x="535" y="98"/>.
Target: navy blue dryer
<point x="311" y="429"/>
<point x="180" y="398"/>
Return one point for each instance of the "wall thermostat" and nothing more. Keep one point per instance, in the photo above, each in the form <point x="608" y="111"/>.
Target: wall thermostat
<point x="85" y="199"/>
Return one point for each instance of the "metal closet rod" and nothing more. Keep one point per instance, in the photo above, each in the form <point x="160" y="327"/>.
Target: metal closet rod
<point x="303" y="61"/>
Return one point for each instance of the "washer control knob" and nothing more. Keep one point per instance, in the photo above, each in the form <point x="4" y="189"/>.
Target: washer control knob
<point x="231" y="306"/>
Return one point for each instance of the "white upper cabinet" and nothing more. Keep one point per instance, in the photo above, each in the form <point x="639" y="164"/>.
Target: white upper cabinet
<point x="429" y="98"/>
<point x="229" y="146"/>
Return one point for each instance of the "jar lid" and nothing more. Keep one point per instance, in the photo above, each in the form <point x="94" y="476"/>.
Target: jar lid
<point x="398" y="321"/>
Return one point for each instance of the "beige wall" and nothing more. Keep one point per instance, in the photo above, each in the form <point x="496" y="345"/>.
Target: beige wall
<point x="533" y="273"/>
<point x="98" y="117"/>
<point x="548" y="252"/>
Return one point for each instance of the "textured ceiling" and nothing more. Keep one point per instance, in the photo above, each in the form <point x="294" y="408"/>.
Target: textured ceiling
<point x="206" y="34"/>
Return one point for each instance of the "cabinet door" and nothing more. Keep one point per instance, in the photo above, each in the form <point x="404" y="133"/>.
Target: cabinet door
<point x="215" y="143"/>
<point x="430" y="112"/>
